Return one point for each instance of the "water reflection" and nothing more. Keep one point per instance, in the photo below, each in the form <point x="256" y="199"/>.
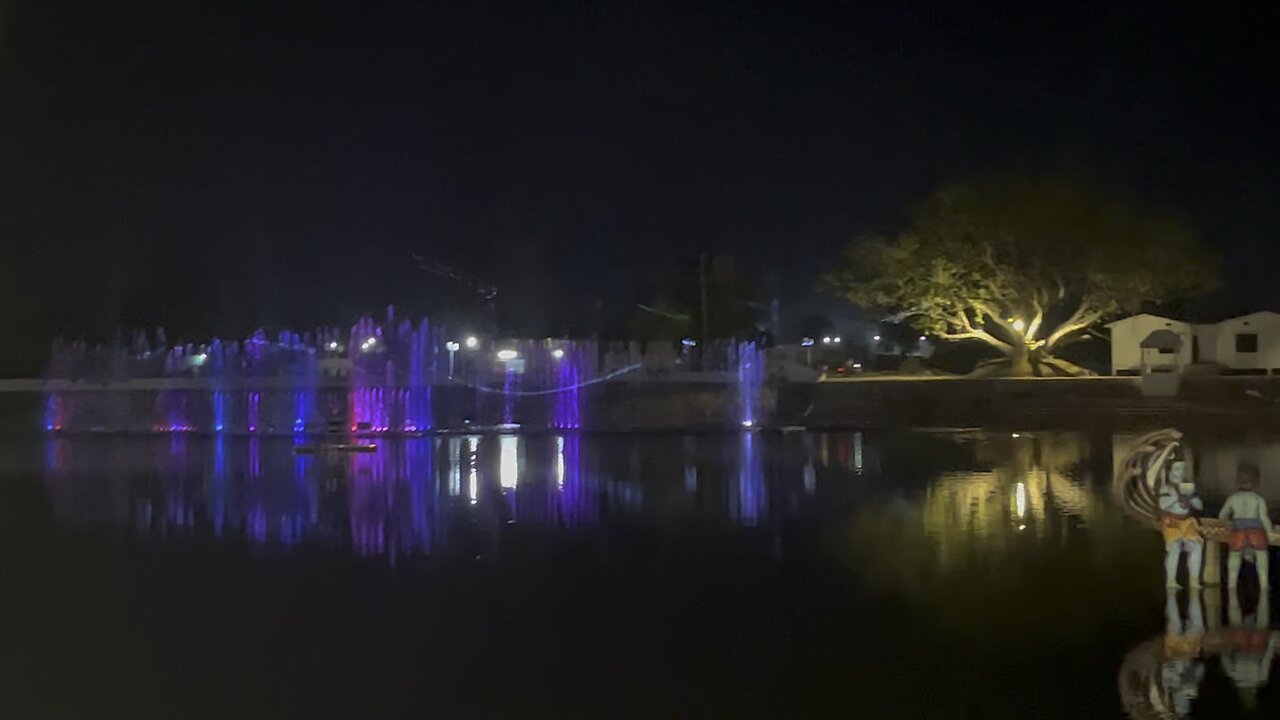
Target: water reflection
<point x="1167" y="676"/>
<point x="973" y="495"/>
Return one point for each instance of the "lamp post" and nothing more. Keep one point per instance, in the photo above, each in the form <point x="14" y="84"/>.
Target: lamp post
<point x="452" y="347"/>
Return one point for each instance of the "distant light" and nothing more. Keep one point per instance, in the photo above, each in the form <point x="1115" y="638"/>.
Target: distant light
<point x="857" y="366"/>
<point x="472" y="342"/>
<point x="48" y="427"/>
<point x="1019" y="325"/>
<point x="199" y="359"/>
<point x="452" y="346"/>
<point x="835" y="340"/>
<point x="923" y="338"/>
<point x="806" y="342"/>
<point x="1017" y="435"/>
<point x="689" y="342"/>
<point x="557" y="353"/>
<point x="826" y="340"/>
<point x="747" y="423"/>
<point x="371" y="341"/>
<point x="876" y="338"/>
<point x="1022" y="527"/>
<point x="333" y="344"/>
<point x="507" y="355"/>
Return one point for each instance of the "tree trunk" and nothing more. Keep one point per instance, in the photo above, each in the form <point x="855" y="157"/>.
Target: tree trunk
<point x="1020" y="362"/>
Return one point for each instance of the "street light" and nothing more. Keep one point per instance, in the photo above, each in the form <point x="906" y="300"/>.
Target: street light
<point x="557" y="353"/>
<point x="507" y="355"/>
<point x="472" y="342"/>
<point x="1019" y="325"/>
<point x="452" y="347"/>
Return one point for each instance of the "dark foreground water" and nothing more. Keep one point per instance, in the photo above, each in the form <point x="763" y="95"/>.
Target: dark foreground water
<point x="879" y="575"/>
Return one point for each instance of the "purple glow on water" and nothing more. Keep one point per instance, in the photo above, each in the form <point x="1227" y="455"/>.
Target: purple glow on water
<point x="256" y="518"/>
<point x="368" y="503"/>
<point x="577" y="506"/>
<point x="218" y="486"/>
<point x="748" y="503"/>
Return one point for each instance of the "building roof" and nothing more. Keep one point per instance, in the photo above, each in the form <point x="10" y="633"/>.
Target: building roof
<point x="1199" y="322"/>
<point x="1162" y="340"/>
<point x="1135" y="316"/>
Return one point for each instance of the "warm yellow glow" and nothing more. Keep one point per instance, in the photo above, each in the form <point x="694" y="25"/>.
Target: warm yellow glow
<point x="1019" y="325"/>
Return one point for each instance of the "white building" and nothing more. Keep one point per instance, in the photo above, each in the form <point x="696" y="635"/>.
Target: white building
<point x="1246" y="344"/>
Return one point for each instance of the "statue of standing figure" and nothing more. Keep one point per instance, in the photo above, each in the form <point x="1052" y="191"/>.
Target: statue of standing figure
<point x="1178" y="524"/>
<point x="1251" y="527"/>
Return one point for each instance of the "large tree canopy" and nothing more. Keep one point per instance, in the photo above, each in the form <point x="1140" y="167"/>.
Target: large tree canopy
<point x="1025" y="265"/>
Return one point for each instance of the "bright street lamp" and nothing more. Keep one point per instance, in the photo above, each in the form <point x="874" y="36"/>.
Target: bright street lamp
<point x="452" y="347"/>
<point x="472" y="342"/>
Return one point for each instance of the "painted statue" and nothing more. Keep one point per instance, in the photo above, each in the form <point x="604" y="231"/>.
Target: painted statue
<point x="1252" y="648"/>
<point x="1178" y="505"/>
<point x="1251" y="527"/>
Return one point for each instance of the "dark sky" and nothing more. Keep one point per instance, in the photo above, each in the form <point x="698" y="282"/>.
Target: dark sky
<point x="217" y="165"/>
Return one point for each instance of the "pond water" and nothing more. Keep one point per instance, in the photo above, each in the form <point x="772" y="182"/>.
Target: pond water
<point x="878" y="574"/>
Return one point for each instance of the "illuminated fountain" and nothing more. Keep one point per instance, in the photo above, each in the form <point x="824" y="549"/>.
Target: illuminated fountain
<point x="385" y="375"/>
<point x="750" y="360"/>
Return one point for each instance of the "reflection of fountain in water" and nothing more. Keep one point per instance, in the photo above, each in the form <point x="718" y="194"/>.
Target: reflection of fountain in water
<point x="367" y="501"/>
<point x="748" y="504"/>
<point x="216" y="487"/>
<point x="578" y="496"/>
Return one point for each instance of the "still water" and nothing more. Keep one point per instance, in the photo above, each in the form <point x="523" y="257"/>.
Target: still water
<point x="882" y="574"/>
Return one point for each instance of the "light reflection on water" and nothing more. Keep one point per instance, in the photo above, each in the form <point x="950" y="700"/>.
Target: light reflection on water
<point x="961" y="493"/>
<point x="996" y="539"/>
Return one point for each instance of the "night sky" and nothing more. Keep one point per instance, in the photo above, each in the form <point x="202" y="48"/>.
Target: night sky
<point x="215" y="166"/>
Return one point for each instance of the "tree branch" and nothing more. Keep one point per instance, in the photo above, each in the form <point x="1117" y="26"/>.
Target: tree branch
<point x="977" y="333"/>
<point x="1082" y="318"/>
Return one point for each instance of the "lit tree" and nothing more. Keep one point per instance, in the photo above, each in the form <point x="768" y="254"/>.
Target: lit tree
<point x="1025" y="266"/>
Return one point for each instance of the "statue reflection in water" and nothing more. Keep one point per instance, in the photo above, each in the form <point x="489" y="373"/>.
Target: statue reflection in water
<point x="1251" y="647"/>
<point x="1182" y="661"/>
<point x="1162" y="677"/>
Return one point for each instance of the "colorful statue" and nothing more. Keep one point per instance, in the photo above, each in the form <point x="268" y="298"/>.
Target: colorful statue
<point x="1251" y="527"/>
<point x="1178" y="503"/>
<point x="1247" y="660"/>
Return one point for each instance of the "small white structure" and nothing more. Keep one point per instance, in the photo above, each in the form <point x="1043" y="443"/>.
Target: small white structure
<point x="1161" y="368"/>
<point x="1128" y="333"/>
<point x="1249" y="344"/>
